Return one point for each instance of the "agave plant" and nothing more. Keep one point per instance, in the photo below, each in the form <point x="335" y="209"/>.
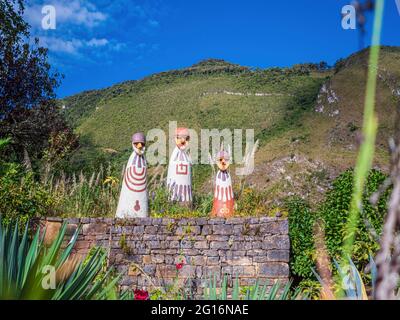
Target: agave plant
<point x="27" y="267"/>
<point x="352" y="286"/>
<point x="277" y="291"/>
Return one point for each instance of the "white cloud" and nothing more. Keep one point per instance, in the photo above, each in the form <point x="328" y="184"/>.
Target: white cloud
<point x="82" y="28"/>
<point x="75" y="12"/>
<point x="97" y="42"/>
<point x="61" y="45"/>
<point x="71" y="46"/>
<point x="153" y="23"/>
<point x="119" y="46"/>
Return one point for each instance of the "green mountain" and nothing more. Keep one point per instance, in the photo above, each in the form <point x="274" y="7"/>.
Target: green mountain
<point x="307" y="117"/>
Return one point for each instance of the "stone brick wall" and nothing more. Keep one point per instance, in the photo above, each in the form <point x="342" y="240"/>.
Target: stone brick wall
<point x="147" y="250"/>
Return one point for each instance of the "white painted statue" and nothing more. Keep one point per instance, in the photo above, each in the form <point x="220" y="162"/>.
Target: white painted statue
<point x="179" y="179"/>
<point x="133" y="200"/>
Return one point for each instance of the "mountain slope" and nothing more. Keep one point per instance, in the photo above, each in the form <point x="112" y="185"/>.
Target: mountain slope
<point x="308" y="120"/>
<point x="203" y="96"/>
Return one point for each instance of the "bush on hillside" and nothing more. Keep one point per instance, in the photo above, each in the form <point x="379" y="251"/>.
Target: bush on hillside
<point x="335" y="210"/>
<point x="334" y="213"/>
<point x="21" y="197"/>
<point x="301" y="222"/>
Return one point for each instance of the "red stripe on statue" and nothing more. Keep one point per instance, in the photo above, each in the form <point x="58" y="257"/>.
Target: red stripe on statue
<point x="140" y="174"/>
<point x="132" y="189"/>
<point x="138" y="179"/>
<point x="135" y="182"/>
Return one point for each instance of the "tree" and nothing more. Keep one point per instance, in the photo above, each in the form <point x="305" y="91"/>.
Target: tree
<point x="28" y="109"/>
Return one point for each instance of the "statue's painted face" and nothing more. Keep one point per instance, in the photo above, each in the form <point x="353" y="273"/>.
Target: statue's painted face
<point x="182" y="141"/>
<point x="138" y="147"/>
<point x="223" y="163"/>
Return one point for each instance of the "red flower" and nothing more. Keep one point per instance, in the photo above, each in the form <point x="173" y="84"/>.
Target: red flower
<point x="141" y="294"/>
<point x="179" y="266"/>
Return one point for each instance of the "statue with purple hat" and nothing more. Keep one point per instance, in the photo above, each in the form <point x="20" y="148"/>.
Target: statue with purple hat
<point x="133" y="200"/>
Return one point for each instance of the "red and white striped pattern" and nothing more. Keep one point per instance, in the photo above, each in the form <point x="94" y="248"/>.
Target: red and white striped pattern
<point x="223" y="193"/>
<point x="135" y="175"/>
<point x="180" y="193"/>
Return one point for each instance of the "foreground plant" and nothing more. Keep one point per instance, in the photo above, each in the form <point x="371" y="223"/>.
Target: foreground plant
<point x="277" y="291"/>
<point x="369" y="131"/>
<point x="352" y="286"/>
<point x="30" y="270"/>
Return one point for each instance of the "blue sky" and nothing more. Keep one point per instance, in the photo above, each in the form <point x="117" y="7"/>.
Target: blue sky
<point x="98" y="43"/>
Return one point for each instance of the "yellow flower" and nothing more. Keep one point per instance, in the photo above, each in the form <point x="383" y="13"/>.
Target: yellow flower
<point x="113" y="181"/>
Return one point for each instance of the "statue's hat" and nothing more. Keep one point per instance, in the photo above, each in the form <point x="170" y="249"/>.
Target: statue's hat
<point x="139" y="137"/>
<point x="182" y="132"/>
<point x="223" y="155"/>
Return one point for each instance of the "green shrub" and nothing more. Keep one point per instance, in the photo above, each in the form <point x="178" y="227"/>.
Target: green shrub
<point x="203" y="203"/>
<point x="21" y="196"/>
<point x="160" y="206"/>
<point x="310" y="288"/>
<point x="334" y="213"/>
<point x="250" y="202"/>
<point x="301" y="222"/>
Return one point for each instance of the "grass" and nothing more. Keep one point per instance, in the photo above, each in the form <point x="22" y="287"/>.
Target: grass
<point x="81" y="195"/>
